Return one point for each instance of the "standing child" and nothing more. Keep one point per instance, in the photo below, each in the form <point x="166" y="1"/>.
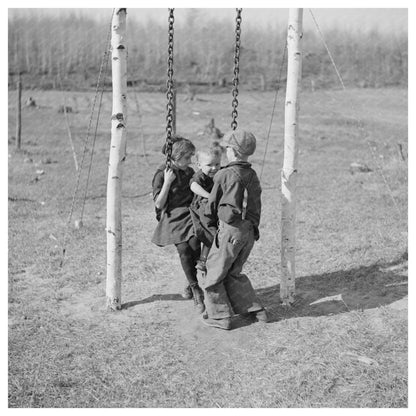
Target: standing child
<point x="209" y="162"/>
<point x="235" y="205"/>
<point x="172" y="197"/>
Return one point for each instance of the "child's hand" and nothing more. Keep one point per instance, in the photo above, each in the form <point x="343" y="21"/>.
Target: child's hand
<point x="169" y="175"/>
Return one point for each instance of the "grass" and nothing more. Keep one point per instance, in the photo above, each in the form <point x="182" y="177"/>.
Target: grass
<point x="66" y="350"/>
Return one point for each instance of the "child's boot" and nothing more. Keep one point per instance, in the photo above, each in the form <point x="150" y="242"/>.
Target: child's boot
<point x="261" y="316"/>
<point x="187" y="292"/>
<point x="198" y="296"/>
<point x="224" y="323"/>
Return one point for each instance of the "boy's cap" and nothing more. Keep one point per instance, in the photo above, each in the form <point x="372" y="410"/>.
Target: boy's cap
<point x="242" y="141"/>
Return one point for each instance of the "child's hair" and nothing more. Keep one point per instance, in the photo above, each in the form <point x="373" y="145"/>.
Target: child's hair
<point x="180" y="147"/>
<point x="215" y="151"/>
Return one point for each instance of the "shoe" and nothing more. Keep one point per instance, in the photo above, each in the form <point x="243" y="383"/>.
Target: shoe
<point x="198" y="296"/>
<point x="224" y="323"/>
<point x="261" y="315"/>
<point x="187" y="293"/>
<point x="201" y="265"/>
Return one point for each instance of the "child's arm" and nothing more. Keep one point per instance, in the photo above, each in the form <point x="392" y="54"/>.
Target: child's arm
<point x="211" y="208"/>
<point x="161" y="199"/>
<point x="199" y="190"/>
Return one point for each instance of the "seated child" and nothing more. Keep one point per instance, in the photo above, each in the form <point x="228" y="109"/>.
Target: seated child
<point x="209" y="162"/>
<point x="172" y="197"/>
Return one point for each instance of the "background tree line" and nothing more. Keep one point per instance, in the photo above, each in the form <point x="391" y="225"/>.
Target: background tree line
<point x="53" y="52"/>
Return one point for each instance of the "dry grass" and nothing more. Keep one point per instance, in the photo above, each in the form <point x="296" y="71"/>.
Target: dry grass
<point x="66" y="350"/>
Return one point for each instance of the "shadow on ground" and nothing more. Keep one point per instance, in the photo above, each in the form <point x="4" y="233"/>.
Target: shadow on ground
<point x="361" y="288"/>
<point x="153" y="298"/>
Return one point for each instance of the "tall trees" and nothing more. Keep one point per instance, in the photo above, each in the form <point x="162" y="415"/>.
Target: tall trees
<point x="74" y="45"/>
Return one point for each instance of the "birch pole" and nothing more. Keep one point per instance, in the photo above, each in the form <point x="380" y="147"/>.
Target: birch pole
<point x="117" y="157"/>
<point x="289" y="171"/>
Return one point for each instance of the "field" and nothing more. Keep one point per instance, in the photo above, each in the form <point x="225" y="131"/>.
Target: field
<point x="67" y="350"/>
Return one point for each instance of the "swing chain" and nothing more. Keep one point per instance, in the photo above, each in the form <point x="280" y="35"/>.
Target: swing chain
<point x="234" y="113"/>
<point x="170" y="92"/>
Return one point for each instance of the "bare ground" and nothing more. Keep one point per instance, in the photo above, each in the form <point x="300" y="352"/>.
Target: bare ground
<point x="66" y="350"/>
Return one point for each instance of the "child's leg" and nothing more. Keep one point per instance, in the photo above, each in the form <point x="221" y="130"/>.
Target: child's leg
<point x="227" y="290"/>
<point x="202" y="262"/>
<point x="188" y="254"/>
<point x="204" y="252"/>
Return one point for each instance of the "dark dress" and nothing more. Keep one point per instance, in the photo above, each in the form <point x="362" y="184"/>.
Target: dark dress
<point x="175" y="222"/>
<point x="203" y="231"/>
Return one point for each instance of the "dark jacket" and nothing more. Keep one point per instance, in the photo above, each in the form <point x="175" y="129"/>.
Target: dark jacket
<point x="226" y="199"/>
<point x="204" y="232"/>
<point x="174" y="222"/>
<point x="206" y="182"/>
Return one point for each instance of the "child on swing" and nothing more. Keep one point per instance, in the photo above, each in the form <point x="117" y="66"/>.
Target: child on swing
<point x="209" y="162"/>
<point x="172" y="197"/>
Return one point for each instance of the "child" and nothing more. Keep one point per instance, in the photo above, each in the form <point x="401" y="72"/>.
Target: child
<point x="172" y="197"/>
<point x="235" y="205"/>
<point x="209" y="162"/>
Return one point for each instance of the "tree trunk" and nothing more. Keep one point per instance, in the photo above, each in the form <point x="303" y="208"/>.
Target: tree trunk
<point x="117" y="157"/>
<point x="19" y="113"/>
<point x="289" y="171"/>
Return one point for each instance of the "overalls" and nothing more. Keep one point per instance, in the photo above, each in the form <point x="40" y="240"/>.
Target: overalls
<point x="227" y="290"/>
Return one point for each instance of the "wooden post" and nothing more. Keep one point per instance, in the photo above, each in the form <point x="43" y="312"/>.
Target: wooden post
<point x="19" y="113"/>
<point x="117" y="157"/>
<point x="289" y="171"/>
<point x="68" y="127"/>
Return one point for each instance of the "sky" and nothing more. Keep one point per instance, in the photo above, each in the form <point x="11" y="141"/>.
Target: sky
<point x="384" y="18"/>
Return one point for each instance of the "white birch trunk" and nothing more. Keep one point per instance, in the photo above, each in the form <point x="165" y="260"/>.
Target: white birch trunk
<point x="289" y="171"/>
<point x="117" y="157"/>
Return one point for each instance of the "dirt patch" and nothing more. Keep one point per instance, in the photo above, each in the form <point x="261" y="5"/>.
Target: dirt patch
<point x="67" y="350"/>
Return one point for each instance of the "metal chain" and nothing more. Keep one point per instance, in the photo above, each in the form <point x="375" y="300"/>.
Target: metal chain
<point x="170" y="92"/>
<point x="234" y="113"/>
